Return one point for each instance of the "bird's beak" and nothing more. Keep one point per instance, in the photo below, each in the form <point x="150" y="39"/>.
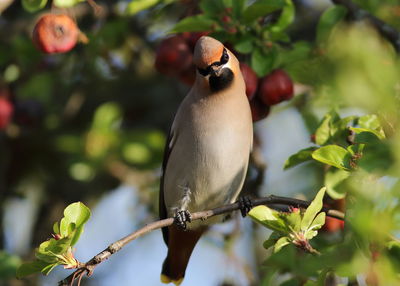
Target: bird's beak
<point x="215" y="71"/>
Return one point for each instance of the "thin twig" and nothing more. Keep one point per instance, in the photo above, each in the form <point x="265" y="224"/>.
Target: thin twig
<point x="271" y="200"/>
<point x="387" y="31"/>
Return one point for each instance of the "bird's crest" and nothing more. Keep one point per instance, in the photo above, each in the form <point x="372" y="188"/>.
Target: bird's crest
<point x="207" y="51"/>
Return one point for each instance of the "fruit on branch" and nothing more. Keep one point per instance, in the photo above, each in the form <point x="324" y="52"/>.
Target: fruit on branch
<point x="188" y="76"/>
<point x="332" y="224"/>
<point x="55" y="33"/>
<point x="251" y="80"/>
<point x="173" y="56"/>
<point x="259" y="109"/>
<point x="192" y="37"/>
<point x="275" y="87"/>
<point x="6" y="111"/>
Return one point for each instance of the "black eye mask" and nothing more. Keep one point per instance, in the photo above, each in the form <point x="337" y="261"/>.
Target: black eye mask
<point x="224" y="59"/>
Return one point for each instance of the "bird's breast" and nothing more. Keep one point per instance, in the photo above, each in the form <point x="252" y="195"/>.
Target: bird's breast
<point x="209" y="159"/>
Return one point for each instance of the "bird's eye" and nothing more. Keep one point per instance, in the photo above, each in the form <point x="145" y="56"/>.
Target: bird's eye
<point x="225" y="57"/>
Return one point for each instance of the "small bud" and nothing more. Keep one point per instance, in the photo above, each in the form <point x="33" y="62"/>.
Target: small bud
<point x="56" y="236"/>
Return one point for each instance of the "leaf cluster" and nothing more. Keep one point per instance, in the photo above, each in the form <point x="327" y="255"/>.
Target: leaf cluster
<point x="58" y="250"/>
<point x="296" y="227"/>
<point x="345" y="144"/>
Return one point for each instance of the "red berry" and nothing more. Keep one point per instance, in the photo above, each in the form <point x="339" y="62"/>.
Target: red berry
<point x="232" y="30"/>
<point x="332" y="224"/>
<point x="55" y="33"/>
<point x="250" y="78"/>
<point x="226" y="19"/>
<point x="188" y="76"/>
<point x="6" y="110"/>
<point x="258" y="109"/>
<point x="173" y="56"/>
<point x="228" y="10"/>
<point x="276" y="87"/>
<point x="192" y="37"/>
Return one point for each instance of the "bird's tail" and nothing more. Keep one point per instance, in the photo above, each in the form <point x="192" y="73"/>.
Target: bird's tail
<point x="180" y="246"/>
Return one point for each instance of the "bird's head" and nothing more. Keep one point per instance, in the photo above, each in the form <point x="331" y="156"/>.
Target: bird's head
<point x="215" y="64"/>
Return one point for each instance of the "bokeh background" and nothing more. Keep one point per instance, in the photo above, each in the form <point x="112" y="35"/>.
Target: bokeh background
<point x="90" y="125"/>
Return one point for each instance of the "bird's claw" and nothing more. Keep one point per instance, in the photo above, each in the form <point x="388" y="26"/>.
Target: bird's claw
<point x="245" y="205"/>
<point x="182" y="217"/>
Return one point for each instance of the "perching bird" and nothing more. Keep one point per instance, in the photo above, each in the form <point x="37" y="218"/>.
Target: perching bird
<point x="207" y="152"/>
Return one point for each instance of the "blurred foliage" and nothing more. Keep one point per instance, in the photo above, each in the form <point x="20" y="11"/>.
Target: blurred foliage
<point x="83" y="121"/>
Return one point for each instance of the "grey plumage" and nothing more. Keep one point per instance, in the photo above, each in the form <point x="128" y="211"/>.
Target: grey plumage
<point x="210" y="141"/>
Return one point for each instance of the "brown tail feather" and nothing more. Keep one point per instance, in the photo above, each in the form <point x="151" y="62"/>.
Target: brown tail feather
<point x="180" y="246"/>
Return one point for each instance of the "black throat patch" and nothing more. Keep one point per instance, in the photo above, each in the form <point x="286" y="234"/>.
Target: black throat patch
<point x="221" y="82"/>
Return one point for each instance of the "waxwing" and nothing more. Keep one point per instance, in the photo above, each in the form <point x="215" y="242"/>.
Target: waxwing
<point x="207" y="152"/>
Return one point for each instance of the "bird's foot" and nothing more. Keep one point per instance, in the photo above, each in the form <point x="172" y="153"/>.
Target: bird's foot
<point x="181" y="218"/>
<point x="245" y="205"/>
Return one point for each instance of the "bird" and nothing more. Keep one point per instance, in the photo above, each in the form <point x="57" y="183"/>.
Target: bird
<point x="207" y="152"/>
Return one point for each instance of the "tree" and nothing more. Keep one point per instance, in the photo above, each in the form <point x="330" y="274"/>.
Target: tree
<point x="93" y="115"/>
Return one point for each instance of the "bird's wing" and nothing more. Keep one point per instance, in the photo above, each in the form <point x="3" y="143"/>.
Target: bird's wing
<point x="162" y="208"/>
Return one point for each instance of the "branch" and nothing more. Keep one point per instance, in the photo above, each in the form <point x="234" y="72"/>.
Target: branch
<point x="387" y="31"/>
<point x="271" y="200"/>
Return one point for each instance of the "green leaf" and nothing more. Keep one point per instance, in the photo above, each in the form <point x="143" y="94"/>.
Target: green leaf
<point x="262" y="63"/>
<point x="323" y="132"/>
<point x="370" y="121"/>
<point x="376" y="157"/>
<point x="244" y="45"/>
<point x="340" y="128"/>
<point x="318" y="222"/>
<point x="299" y="52"/>
<point x="261" y="8"/>
<point x="313" y="209"/>
<point x="77" y="213"/>
<point x="49" y="249"/>
<point x="30" y="268"/>
<point x="328" y="20"/>
<point x="46" y="270"/>
<point x="107" y="115"/>
<point x="285" y="19"/>
<point x="76" y="235"/>
<point x="366" y="136"/>
<point x="197" y="23"/>
<point x="66" y="3"/>
<point x="332" y="181"/>
<point x="309" y="234"/>
<point x="271" y="240"/>
<point x="56" y="228"/>
<point x="333" y="155"/>
<point x="135" y="6"/>
<point x="237" y="8"/>
<point x="300" y="157"/>
<point x="281" y="243"/>
<point x="292" y="220"/>
<point x="8" y="265"/>
<point x="75" y="216"/>
<point x="278" y="36"/>
<point x="269" y="218"/>
<point x="212" y="7"/>
<point x="64" y="224"/>
<point x="33" y="5"/>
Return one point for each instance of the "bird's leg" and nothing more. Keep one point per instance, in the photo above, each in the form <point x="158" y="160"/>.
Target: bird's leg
<point x="245" y="205"/>
<point x="181" y="218"/>
<point x="182" y="215"/>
